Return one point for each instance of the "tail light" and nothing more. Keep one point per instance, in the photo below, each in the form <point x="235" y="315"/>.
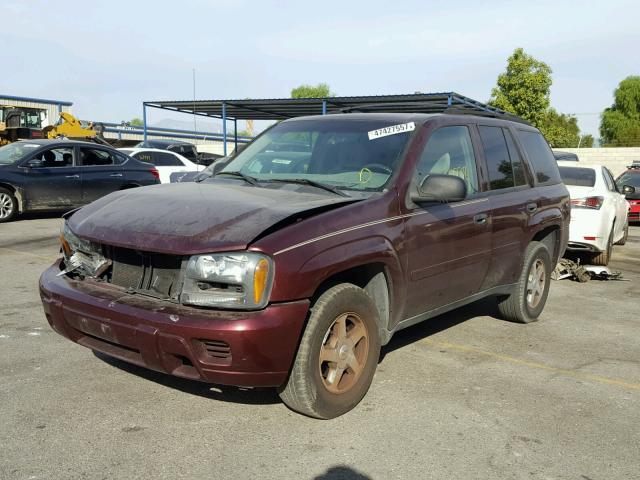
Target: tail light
<point x="588" y="202"/>
<point x="155" y="173"/>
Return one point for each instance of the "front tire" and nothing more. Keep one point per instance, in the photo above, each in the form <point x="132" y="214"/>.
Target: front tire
<point x="526" y="303"/>
<point x="338" y="354"/>
<point x="8" y="205"/>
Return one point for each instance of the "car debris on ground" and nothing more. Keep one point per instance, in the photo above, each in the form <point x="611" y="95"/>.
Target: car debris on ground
<point x="574" y="270"/>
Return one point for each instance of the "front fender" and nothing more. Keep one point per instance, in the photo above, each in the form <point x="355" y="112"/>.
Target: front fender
<point x="324" y="264"/>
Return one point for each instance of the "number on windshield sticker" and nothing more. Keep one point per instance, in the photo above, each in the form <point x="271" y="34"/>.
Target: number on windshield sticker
<point x="392" y="130"/>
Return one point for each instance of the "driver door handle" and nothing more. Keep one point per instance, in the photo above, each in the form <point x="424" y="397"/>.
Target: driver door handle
<point x="480" y="219"/>
<point x="73" y="176"/>
<point x="532" y="207"/>
<point x="115" y="175"/>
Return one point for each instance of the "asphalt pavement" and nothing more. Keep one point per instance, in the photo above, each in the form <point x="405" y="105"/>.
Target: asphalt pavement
<point x="464" y="396"/>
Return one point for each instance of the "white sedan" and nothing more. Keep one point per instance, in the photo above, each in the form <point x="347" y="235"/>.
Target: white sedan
<point x="599" y="212"/>
<point x="166" y="162"/>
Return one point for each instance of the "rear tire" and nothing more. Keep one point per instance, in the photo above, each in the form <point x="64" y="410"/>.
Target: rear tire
<point x="338" y="354"/>
<point x="526" y="303"/>
<point x="625" y="234"/>
<point x="8" y="205"/>
<point x="602" y="259"/>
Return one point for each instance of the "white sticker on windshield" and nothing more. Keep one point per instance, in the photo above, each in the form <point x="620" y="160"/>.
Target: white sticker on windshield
<point x="30" y="145"/>
<point x="392" y="130"/>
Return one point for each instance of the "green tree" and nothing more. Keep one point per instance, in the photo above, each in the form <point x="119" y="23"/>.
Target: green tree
<point x="587" y="141"/>
<point x="320" y="90"/>
<point x="560" y="130"/>
<point x="524" y="88"/>
<point x="135" y="122"/>
<point x="620" y="125"/>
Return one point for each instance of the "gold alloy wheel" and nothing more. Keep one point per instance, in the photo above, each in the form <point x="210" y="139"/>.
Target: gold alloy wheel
<point x="343" y="354"/>
<point x="536" y="283"/>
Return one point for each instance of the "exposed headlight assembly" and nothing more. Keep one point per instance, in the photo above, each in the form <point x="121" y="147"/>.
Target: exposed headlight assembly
<point x="228" y="280"/>
<point x="81" y="255"/>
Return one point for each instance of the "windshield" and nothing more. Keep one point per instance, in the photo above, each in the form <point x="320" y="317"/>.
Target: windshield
<point x="347" y="154"/>
<point x="13" y="152"/>
<point x="629" y="178"/>
<point x="580" y="177"/>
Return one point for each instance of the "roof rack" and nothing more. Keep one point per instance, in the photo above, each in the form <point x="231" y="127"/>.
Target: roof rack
<point x="490" y="114"/>
<point x="283" y="108"/>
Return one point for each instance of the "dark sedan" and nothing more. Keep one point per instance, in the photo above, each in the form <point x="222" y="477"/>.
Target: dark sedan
<point x="63" y="174"/>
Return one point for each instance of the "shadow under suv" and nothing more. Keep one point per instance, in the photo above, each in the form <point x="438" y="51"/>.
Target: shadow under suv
<point x="292" y="266"/>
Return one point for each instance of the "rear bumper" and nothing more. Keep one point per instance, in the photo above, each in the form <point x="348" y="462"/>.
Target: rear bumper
<point x="582" y="247"/>
<point x="224" y="347"/>
<point x="590" y="224"/>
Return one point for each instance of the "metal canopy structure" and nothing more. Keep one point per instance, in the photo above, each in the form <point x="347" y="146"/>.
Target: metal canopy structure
<point x="283" y="108"/>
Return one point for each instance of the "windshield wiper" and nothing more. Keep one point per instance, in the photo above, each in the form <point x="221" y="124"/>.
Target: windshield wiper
<point x="245" y="177"/>
<point x="313" y="183"/>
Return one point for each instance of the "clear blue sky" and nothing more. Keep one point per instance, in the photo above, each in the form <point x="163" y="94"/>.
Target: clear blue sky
<point x="108" y="56"/>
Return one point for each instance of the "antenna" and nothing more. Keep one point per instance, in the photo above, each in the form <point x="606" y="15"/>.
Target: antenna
<point x="195" y="126"/>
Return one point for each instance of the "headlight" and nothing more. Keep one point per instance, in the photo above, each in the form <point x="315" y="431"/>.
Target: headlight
<point x="228" y="280"/>
<point x="72" y="243"/>
<point x="82" y="255"/>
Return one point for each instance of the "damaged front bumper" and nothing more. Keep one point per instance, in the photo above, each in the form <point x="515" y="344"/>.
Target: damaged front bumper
<point x="243" y="348"/>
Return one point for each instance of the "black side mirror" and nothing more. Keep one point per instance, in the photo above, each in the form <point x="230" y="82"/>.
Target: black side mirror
<point x="628" y="190"/>
<point x="440" y="188"/>
<point x="35" y="163"/>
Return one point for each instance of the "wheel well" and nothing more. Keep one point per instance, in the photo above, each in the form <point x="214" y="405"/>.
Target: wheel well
<point x="372" y="278"/>
<point x="16" y="192"/>
<point x="549" y="238"/>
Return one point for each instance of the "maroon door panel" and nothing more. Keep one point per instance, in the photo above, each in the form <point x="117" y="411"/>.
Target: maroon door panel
<point x="448" y="250"/>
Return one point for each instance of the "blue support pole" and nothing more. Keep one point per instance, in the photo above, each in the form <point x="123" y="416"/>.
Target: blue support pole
<point x="449" y="101"/>
<point x="224" y="127"/>
<point x="235" y="130"/>
<point x="144" y="121"/>
<point x="324" y="107"/>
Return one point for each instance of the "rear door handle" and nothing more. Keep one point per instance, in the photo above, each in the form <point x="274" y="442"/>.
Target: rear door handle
<point x="532" y="207"/>
<point x="115" y="175"/>
<point x="73" y="176"/>
<point x="480" y="219"/>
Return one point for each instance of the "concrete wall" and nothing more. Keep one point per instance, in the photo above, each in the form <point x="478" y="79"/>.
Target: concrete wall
<point x="615" y="159"/>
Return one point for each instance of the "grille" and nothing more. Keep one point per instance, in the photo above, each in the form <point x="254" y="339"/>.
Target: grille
<point x="152" y="273"/>
<point x="217" y="348"/>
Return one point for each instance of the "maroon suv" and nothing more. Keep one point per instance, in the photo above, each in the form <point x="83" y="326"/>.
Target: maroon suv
<point x="293" y="265"/>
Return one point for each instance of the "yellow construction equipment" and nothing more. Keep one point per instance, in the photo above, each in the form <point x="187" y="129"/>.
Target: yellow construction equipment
<point x="70" y="127"/>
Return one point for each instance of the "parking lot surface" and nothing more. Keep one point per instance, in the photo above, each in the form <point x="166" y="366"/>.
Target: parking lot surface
<point x="464" y="395"/>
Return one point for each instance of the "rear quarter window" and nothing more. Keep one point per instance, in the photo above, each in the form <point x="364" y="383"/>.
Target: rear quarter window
<point x="540" y="156"/>
<point x="579" y="177"/>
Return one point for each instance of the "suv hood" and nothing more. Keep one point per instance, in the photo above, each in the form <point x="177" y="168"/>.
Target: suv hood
<point x="189" y="218"/>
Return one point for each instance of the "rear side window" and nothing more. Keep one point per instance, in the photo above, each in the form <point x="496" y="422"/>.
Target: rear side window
<point x="542" y="160"/>
<point x="144" y="157"/>
<point x="579" y="177"/>
<point x="166" y="160"/>
<point x="496" y="153"/>
<point x="519" y="176"/>
<point x="95" y="156"/>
